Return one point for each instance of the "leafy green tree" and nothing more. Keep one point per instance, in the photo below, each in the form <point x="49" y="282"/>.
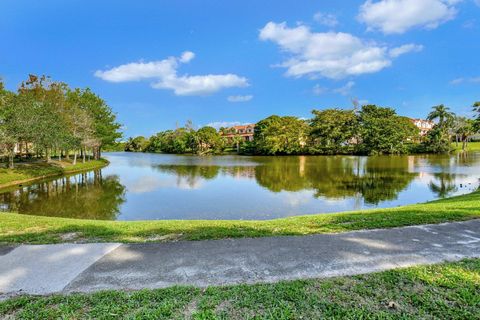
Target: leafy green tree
<point x="208" y="140"/>
<point x="137" y="144"/>
<point x="52" y="118"/>
<point x="39" y="114"/>
<point x="382" y="131"/>
<point x="105" y="126"/>
<point x="333" y="129"/>
<point x="177" y="141"/>
<point x="79" y="123"/>
<point x="463" y="129"/>
<point x="7" y="137"/>
<point x="281" y="135"/>
<point x="437" y="141"/>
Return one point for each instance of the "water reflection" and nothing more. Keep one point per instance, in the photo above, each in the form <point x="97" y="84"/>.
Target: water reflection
<point x="374" y="179"/>
<point x="443" y="185"/>
<point x="86" y="195"/>
<point x="152" y="186"/>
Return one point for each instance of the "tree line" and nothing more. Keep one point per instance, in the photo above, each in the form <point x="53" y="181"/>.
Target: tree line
<point x="44" y="118"/>
<point x="371" y="130"/>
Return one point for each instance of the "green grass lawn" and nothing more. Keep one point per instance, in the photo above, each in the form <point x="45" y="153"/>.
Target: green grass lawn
<point x="16" y="228"/>
<point x="36" y="170"/>
<point x="443" y="291"/>
<point x="472" y="146"/>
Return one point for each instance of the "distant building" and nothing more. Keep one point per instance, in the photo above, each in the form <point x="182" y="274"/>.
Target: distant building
<point x="424" y="125"/>
<point x="244" y="131"/>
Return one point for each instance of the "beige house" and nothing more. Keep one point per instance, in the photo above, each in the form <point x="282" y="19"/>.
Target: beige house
<point x="424" y="125"/>
<point x="244" y="131"/>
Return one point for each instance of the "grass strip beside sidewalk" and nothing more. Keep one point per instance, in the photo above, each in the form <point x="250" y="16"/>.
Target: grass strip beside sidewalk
<point x="443" y="291"/>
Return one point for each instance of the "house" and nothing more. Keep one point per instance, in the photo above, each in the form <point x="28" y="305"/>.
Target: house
<point x="424" y="125"/>
<point x="244" y="131"/>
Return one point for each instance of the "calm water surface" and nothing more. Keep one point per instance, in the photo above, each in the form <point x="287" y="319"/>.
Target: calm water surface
<point x="137" y="186"/>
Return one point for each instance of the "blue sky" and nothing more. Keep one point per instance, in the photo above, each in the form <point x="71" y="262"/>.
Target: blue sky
<point x="159" y="63"/>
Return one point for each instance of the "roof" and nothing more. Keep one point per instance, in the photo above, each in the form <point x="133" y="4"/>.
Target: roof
<point x="423" y="120"/>
<point x="243" y="126"/>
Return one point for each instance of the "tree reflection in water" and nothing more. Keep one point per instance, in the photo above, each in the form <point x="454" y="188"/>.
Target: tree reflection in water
<point x="443" y="185"/>
<point x="85" y="195"/>
<point x="234" y="187"/>
<point x="375" y="179"/>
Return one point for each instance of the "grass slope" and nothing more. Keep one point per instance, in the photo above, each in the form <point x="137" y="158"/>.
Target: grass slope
<point x="443" y="291"/>
<point x="472" y="146"/>
<point x="24" y="172"/>
<point x="15" y="228"/>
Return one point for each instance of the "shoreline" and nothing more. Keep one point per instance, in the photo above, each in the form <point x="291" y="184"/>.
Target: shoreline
<point x="472" y="147"/>
<point x="17" y="228"/>
<point x="64" y="171"/>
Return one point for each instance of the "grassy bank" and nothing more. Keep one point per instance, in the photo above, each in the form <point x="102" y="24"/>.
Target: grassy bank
<point x="472" y="146"/>
<point x="30" y="171"/>
<point x="443" y="291"/>
<point x="15" y="228"/>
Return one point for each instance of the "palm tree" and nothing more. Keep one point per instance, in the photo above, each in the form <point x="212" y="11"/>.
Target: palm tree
<point x="465" y="129"/>
<point x="476" y="106"/>
<point x="441" y="133"/>
<point x="441" y="113"/>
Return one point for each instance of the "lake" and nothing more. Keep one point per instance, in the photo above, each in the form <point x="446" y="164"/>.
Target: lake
<point x="142" y="186"/>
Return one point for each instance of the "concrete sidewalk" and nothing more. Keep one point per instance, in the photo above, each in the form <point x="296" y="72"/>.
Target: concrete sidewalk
<point x="46" y="269"/>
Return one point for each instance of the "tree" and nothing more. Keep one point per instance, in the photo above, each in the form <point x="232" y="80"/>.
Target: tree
<point x="439" y="138"/>
<point x="333" y="129"/>
<point x="464" y="129"/>
<point x="207" y="140"/>
<point x="80" y="125"/>
<point x="382" y="131"/>
<point x="442" y="114"/>
<point x="280" y="135"/>
<point x="52" y="118"/>
<point x="136" y="144"/>
<point x="39" y="113"/>
<point x="7" y="137"/>
<point x="237" y="140"/>
<point x="104" y="123"/>
<point x="476" y="108"/>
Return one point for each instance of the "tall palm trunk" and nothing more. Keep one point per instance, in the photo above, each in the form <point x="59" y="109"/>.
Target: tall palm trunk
<point x="11" y="155"/>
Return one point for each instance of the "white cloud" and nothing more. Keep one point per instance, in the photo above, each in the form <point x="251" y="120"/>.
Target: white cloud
<point x="225" y="124"/>
<point x="326" y="19"/>
<point x="465" y="80"/>
<point x="319" y="90"/>
<point x="398" y="16"/>
<point x="187" y="56"/>
<point x="164" y="73"/>
<point x="346" y="89"/>
<point x="240" y="98"/>
<point x="333" y="55"/>
<point x="406" y="48"/>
